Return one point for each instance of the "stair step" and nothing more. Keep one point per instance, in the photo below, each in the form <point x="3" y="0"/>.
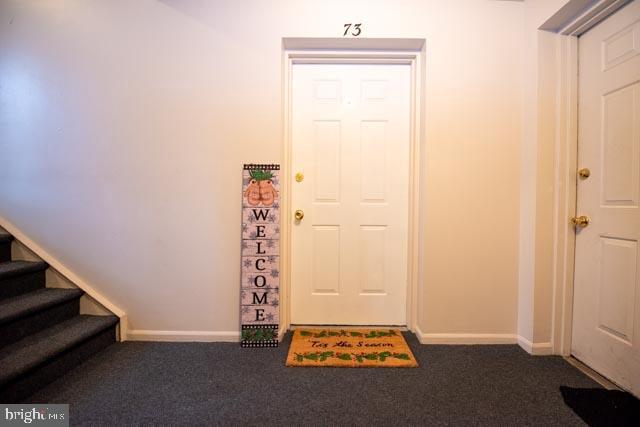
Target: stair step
<point x="29" y="364"/>
<point x="31" y="312"/>
<point x="5" y="246"/>
<point x="19" y="277"/>
<point x="17" y="268"/>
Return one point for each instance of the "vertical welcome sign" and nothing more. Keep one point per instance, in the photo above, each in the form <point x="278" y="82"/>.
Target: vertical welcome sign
<point x="260" y="278"/>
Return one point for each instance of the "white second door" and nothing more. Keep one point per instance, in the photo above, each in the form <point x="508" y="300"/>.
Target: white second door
<point x="606" y="313"/>
<point x="351" y="141"/>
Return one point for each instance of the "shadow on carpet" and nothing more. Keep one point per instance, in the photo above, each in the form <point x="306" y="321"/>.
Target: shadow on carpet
<point x="600" y="407"/>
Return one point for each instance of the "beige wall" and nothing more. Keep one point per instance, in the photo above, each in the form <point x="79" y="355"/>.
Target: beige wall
<point x="124" y="125"/>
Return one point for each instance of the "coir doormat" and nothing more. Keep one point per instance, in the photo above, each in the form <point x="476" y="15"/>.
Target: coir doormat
<point x="350" y="348"/>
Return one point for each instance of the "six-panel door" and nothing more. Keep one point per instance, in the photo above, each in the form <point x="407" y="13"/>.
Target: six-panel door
<point x="351" y="142"/>
<point x="606" y="317"/>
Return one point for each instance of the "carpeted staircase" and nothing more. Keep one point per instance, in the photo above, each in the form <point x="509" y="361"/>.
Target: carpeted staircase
<point x="42" y="333"/>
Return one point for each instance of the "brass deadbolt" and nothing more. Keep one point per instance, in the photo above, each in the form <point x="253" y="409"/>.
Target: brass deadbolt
<point x="584" y="173"/>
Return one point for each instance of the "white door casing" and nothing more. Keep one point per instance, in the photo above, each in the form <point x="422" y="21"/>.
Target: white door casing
<point x="351" y="141"/>
<point x="606" y="312"/>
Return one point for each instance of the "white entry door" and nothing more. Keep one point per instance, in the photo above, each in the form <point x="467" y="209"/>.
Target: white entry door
<point x="606" y="314"/>
<point x="350" y="141"/>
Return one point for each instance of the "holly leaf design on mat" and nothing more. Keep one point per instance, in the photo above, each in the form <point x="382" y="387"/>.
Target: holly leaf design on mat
<point x="305" y="333"/>
<point x="358" y="357"/>
<point x="324" y="355"/>
<point x="402" y="356"/>
<point x="356" y="334"/>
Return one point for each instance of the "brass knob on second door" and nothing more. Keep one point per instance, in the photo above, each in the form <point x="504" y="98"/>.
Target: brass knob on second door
<point x="299" y="215"/>
<point x="580" y="221"/>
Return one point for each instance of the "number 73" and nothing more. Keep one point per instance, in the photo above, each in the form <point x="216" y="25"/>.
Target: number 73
<point x="356" y="29"/>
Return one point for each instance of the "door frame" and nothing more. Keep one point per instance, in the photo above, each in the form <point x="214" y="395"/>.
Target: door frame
<point x="358" y="51"/>
<point x="571" y="21"/>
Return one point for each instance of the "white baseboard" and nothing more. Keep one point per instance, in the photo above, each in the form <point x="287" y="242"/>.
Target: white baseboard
<point x="188" y="336"/>
<point x="457" y="339"/>
<point x="535" y="349"/>
<point x="281" y="332"/>
<point x="183" y="336"/>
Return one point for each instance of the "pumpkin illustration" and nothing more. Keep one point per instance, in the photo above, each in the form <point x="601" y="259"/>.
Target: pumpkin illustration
<point x="268" y="194"/>
<point x="253" y="193"/>
<point x="260" y="188"/>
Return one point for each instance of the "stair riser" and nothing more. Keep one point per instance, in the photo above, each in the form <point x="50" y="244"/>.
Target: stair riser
<point x="20" y="328"/>
<point x="17" y="285"/>
<point x="5" y="251"/>
<point x="29" y="383"/>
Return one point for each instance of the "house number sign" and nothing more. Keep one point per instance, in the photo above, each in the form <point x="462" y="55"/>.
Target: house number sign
<point x="260" y="277"/>
<point x="352" y="29"/>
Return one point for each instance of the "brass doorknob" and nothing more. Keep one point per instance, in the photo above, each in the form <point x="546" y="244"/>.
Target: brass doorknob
<point x="584" y="173"/>
<point x="298" y="215"/>
<point x="580" y="221"/>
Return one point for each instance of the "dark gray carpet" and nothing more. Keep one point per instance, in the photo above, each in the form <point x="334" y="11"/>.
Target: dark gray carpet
<point x="20" y="357"/>
<point x="137" y="383"/>
<point x="32" y="302"/>
<point x="5" y="236"/>
<point x="17" y="268"/>
<point x="19" y="277"/>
